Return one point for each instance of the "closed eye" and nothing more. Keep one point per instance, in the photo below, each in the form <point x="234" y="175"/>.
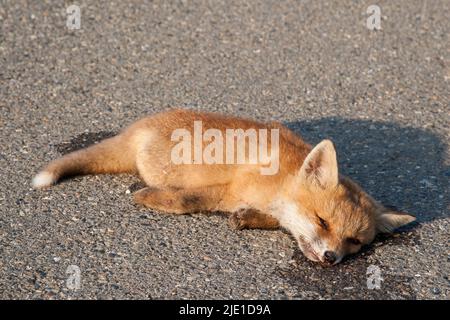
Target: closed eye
<point x="354" y="241"/>
<point x="323" y="223"/>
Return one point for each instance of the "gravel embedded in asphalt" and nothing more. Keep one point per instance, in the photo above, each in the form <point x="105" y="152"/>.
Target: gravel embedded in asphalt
<point x="382" y="96"/>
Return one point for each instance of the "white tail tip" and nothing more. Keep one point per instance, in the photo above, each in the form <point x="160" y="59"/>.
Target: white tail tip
<point x="43" y="179"/>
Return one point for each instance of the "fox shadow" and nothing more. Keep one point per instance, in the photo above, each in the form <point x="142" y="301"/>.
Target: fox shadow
<point x="399" y="166"/>
<point x="403" y="167"/>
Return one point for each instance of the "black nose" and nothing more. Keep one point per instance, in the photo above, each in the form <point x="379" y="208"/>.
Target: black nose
<point x="329" y="257"/>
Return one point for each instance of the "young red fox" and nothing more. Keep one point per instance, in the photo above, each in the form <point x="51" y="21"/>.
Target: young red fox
<point x="328" y="214"/>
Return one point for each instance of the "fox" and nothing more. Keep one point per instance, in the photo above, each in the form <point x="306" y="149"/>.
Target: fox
<point x="329" y="215"/>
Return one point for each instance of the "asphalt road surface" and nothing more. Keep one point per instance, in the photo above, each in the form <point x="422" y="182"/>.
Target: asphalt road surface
<point x="381" y="95"/>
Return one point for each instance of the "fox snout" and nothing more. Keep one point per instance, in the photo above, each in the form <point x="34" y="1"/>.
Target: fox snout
<point x="329" y="257"/>
<point x="317" y="253"/>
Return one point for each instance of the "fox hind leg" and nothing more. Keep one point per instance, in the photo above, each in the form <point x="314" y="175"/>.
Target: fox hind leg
<point x="165" y="200"/>
<point x="180" y="201"/>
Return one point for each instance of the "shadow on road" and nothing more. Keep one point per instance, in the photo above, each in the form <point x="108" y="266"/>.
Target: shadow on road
<point x="400" y="166"/>
<point x="83" y="140"/>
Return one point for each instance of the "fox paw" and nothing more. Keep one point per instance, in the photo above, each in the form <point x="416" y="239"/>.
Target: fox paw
<point x="237" y="220"/>
<point x="142" y="196"/>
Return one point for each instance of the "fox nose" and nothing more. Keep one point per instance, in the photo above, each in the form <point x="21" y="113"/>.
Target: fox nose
<point x="329" y="257"/>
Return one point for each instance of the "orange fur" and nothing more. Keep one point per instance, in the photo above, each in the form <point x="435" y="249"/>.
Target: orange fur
<point x="324" y="211"/>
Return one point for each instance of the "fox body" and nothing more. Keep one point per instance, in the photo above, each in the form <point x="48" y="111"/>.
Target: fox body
<point x="328" y="214"/>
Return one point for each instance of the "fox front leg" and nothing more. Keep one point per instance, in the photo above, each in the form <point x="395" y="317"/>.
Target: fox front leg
<point x="252" y="219"/>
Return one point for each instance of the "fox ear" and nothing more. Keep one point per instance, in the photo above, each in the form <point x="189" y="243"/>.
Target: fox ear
<point x="320" y="166"/>
<point x="388" y="220"/>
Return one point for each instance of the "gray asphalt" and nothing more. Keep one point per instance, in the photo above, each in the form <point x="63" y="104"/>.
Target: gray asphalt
<point x="382" y="96"/>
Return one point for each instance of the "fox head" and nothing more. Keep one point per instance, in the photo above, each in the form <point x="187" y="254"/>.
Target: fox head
<point x="330" y="215"/>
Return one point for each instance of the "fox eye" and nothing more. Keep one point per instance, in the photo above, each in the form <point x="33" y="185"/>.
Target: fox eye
<point x="323" y="223"/>
<point x="353" y="241"/>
